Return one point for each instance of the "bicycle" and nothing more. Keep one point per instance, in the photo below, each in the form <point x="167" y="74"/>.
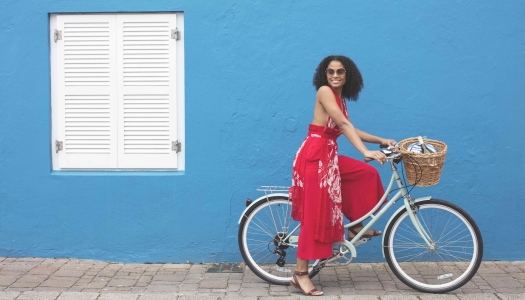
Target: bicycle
<point x="431" y="245"/>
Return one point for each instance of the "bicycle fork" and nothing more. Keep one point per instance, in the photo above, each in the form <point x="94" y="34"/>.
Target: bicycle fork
<point x="412" y="213"/>
<point x="412" y="209"/>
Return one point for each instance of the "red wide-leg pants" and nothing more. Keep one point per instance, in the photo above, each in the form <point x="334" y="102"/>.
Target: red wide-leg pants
<point x="361" y="188"/>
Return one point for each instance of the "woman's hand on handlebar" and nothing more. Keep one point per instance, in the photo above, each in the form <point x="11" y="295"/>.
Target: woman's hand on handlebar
<point x="386" y="142"/>
<point x="377" y="155"/>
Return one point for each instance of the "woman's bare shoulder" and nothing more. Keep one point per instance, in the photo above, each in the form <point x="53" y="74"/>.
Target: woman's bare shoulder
<point x="324" y="89"/>
<point x="325" y="92"/>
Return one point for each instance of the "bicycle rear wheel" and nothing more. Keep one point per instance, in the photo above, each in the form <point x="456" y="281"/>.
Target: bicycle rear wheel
<point x="451" y="260"/>
<point x="262" y="243"/>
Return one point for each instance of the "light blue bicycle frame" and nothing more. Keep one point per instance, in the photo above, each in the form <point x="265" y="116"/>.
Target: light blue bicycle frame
<point x="408" y="204"/>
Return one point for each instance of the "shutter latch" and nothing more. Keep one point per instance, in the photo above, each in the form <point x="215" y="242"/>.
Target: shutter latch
<point x="58" y="35"/>
<point x="58" y="146"/>
<point x="176" y="146"/>
<point x="175" y="34"/>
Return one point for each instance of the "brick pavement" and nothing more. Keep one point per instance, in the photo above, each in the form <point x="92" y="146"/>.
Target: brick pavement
<point x="72" y="279"/>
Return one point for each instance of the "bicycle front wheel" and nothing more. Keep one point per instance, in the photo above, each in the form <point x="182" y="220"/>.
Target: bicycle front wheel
<point x="452" y="258"/>
<point x="263" y="240"/>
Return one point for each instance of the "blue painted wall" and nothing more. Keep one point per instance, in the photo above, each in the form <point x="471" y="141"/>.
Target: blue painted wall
<point x="450" y="70"/>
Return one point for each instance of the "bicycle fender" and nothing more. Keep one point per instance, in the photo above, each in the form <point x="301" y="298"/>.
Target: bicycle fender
<point x="260" y="199"/>
<point x="393" y="215"/>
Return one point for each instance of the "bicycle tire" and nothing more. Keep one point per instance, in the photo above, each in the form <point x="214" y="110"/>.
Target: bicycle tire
<point x="260" y="226"/>
<point x="455" y="258"/>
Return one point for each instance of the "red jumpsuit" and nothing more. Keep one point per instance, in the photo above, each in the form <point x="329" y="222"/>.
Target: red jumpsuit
<point x="325" y="186"/>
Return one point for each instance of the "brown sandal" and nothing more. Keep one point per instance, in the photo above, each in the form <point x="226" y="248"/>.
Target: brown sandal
<point x="360" y="225"/>
<point x="295" y="284"/>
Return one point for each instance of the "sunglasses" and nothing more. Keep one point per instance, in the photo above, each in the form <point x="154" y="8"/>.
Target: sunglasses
<point x="339" y="71"/>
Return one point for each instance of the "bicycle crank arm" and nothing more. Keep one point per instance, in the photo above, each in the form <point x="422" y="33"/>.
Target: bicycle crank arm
<point x="334" y="257"/>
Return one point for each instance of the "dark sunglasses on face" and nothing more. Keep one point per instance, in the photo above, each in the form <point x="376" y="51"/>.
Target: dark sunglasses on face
<point x="339" y="71"/>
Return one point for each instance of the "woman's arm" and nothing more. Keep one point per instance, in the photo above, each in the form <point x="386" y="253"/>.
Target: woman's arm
<point x="367" y="137"/>
<point x="327" y="99"/>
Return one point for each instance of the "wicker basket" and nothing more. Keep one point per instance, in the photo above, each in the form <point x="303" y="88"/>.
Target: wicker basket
<point x="423" y="169"/>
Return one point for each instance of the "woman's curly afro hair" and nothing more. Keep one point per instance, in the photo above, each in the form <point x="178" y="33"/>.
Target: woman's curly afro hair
<point x="354" y="81"/>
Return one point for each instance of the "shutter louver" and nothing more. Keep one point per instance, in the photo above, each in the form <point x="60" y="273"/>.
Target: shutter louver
<point x="147" y="91"/>
<point x="146" y="124"/>
<point x="88" y="120"/>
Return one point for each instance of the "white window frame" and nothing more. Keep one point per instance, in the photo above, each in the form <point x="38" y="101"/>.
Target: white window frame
<point x="180" y="100"/>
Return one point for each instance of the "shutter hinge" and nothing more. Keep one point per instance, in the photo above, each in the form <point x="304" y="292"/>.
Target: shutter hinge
<point x="58" y="35"/>
<point x="176" y="146"/>
<point x="175" y="34"/>
<point x="58" y="146"/>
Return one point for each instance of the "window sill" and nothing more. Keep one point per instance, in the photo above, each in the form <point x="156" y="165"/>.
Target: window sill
<point x="116" y="173"/>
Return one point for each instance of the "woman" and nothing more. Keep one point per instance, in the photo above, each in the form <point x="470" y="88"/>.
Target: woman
<point x="326" y="185"/>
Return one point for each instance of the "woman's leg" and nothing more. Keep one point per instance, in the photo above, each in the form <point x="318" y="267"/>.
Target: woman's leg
<point x="361" y="187"/>
<point x="308" y="247"/>
<point x="303" y="281"/>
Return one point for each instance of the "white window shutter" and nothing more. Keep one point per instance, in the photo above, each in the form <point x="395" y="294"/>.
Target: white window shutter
<point x="86" y="90"/>
<point x="147" y="89"/>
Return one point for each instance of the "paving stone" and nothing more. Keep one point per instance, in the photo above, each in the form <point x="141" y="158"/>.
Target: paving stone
<point x="279" y="288"/>
<point x="236" y="297"/>
<point x="188" y="287"/>
<point x="399" y="297"/>
<point x="256" y="285"/>
<point x="368" y="285"/>
<point x="389" y="286"/>
<point x="6" y="280"/>
<point x="68" y="273"/>
<point x="59" y="282"/>
<point x="325" y="297"/>
<point x="137" y="290"/>
<point x="236" y="287"/>
<point x="107" y="273"/>
<point x="475" y="296"/>
<point x="359" y="297"/>
<point x="96" y="285"/>
<point x="503" y="282"/>
<point x="38" y="296"/>
<point x="78" y="296"/>
<point x="503" y="296"/>
<point x="122" y="282"/>
<point x="14" y="289"/>
<point x="472" y="290"/>
<point x="370" y="292"/>
<point x="198" y="297"/>
<point x="49" y="289"/>
<point x="164" y="288"/>
<point x="511" y="290"/>
<point x="213" y="284"/>
<point x="8" y="295"/>
<point x="168" y="278"/>
<point x="281" y="297"/>
<point x="15" y="269"/>
<point x="331" y="290"/>
<point x="25" y="284"/>
<point x="169" y="296"/>
<point x="44" y="270"/>
<point x="254" y="292"/>
<point x="437" y="297"/>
